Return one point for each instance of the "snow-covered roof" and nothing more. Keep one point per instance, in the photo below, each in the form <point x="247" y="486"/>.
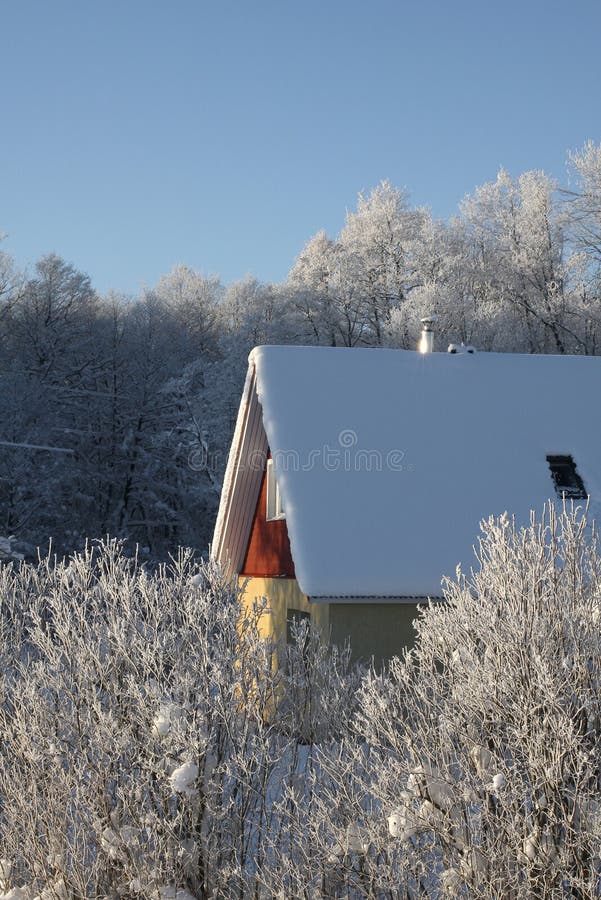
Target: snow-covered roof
<point x="387" y="460"/>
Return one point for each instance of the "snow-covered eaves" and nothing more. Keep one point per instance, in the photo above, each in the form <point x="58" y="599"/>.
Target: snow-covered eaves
<point x="388" y="460"/>
<point x="410" y="600"/>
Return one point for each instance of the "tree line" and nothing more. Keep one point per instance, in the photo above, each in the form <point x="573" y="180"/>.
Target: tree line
<point x="117" y="411"/>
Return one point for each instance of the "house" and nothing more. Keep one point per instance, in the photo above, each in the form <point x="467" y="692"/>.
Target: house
<point x="357" y="478"/>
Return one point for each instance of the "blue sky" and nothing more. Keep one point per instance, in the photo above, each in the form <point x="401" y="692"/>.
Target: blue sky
<point x="138" y="134"/>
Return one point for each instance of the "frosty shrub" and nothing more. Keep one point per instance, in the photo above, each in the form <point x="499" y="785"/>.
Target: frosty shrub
<point x="484" y="741"/>
<point x="146" y="746"/>
<point x="155" y="746"/>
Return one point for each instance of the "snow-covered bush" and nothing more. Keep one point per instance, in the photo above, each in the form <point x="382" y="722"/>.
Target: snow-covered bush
<point x="484" y="759"/>
<point x="151" y="746"/>
<point x="143" y="751"/>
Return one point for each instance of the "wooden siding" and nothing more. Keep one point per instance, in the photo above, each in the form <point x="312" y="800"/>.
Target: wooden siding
<point x="242" y="483"/>
<point x="378" y="630"/>
<point x="268" y="551"/>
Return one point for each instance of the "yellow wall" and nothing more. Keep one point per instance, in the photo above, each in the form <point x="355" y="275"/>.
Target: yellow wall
<point x="380" y="630"/>
<point x="283" y="595"/>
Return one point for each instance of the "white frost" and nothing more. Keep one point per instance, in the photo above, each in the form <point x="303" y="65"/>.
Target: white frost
<point x="499" y="781"/>
<point x="183" y="779"/>
<point x="167" y="716"/>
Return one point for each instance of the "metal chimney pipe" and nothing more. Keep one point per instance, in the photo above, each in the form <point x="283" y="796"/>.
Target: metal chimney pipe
<point x="426" y="341"/>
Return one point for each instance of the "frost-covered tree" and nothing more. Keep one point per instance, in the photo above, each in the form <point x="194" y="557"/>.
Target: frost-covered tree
<point x="585" y="199"/>
<point x="583" y="203"/>
<point x="11" y="281"/>
<point x="153" y="743"/>
<point x="191" y="300"/>
<point x="111" y="382"/>
<point x="253" y="313"/>
<point x="326" y="294"/>
<point x="50" y="323"/>
<point x="345" y="290"/>
<point x="522" y="268"/>
<point x="477" y="772"/>
<point x="382" y="237"/>
<point x="446" y="287"/>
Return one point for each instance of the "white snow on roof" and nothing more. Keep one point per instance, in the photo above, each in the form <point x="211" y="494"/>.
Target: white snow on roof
<point x="387" y="460"/>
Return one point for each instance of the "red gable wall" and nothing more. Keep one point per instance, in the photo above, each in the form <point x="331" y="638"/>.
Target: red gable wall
<point x="268" y="553"/>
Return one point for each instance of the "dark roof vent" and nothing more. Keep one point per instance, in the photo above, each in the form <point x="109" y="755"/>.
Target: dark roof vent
<point x="461" y="348"/>
<point x="568" y="483"/>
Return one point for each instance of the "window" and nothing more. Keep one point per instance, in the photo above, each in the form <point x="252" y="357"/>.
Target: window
<point x="568" y="483"/>
<point x="274" y="499"/>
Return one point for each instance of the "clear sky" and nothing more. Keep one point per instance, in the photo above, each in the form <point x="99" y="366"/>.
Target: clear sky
<point x="138" y="134"/>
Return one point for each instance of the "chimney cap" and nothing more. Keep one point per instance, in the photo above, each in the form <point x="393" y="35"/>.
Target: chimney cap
<point x="426" y="341"/>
